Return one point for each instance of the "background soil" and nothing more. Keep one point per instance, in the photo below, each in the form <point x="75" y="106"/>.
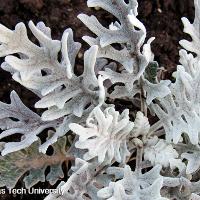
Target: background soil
<point x="162" y="18"/>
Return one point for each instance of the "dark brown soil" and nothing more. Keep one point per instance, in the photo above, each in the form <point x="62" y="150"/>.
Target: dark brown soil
<point x="162" y="19"/>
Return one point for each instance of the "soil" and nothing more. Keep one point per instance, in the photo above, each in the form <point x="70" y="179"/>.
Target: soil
<point x="162" y="18"/>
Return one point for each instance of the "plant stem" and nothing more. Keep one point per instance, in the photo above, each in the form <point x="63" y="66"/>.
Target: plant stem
<point x="154" y="128"/>
<point x="139" y="160"/>
<point x="142" y="95"/>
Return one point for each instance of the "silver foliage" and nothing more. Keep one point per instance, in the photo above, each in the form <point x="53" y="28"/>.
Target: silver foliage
<point x="134" y="186"/>
<point x="38" y="69"/>
<point x="17" y="118"/>
<point x="84" y="182"/>
<point x="135" y="55"/>
<point x="103" y="139"/>
<point x="158" y="151"/>
<point x="179" y="112"/>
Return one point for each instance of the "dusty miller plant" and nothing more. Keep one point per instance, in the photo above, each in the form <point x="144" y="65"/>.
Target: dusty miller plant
<point x="114" y="155"/>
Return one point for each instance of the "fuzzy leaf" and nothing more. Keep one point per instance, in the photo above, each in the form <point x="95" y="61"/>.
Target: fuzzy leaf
<point x="154" y="91"/>
<point x="83" y="183"/>
<point x="105" y="135"/>
<point x="179" y="112"/>
<point x="141" y="125"/>
<point x="17" y="118"/>
<point x="193" y="31"/>
<point x="146" y="186"/>
<point x="14" y="165"/>
<point x="158" y="151"/>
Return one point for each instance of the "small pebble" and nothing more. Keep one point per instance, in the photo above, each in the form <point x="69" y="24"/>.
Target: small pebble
<point x="80" y="55"/>
<point x="97" y="8"/>
<point x="159" y="10"/>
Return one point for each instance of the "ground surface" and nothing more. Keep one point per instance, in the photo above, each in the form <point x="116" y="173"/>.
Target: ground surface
<point x="162" y="19"/>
